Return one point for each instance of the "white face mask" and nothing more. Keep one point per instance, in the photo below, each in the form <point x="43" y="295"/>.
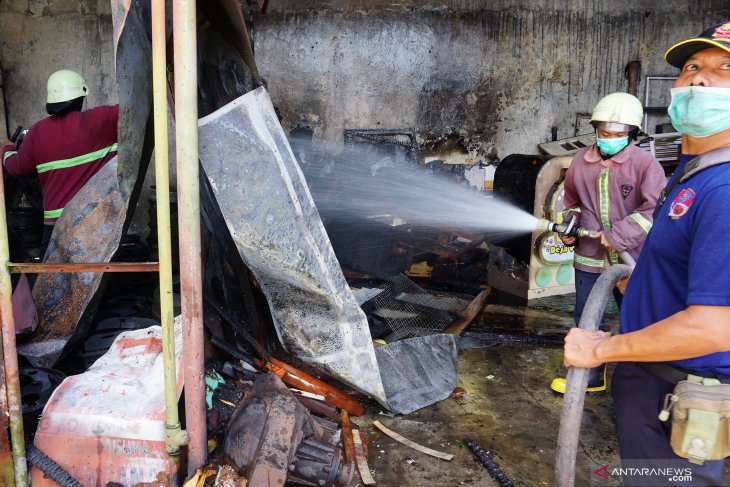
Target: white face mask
<point x="700" y="111"/>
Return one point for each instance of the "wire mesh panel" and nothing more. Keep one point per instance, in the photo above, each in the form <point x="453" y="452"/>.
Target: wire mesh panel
<point x="408" y="310"/>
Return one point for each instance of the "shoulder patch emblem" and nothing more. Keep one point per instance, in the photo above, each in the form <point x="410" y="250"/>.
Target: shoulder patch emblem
<point x="626" y="189"/>
<point x="681" y="203"/>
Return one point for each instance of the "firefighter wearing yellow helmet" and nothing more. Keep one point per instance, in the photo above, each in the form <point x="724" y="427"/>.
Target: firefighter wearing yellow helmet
<point x="65" y="149"/>
<point x="611" y="187"/>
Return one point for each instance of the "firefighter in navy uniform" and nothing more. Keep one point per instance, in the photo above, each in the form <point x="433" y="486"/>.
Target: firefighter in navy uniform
<point x="675" y="315"/>
<point x="66" y="149"/>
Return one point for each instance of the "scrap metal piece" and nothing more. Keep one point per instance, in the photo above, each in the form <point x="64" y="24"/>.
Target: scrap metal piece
<point x="362" y="462"/>
<point x="89" y="230"/>
<point x="412" y="444"/>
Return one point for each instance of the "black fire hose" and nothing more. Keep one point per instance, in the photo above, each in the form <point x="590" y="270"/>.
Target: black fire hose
<point x="577" y="379"/>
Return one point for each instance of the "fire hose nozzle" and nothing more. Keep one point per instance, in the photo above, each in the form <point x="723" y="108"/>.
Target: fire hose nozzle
<point x="565" y="229"/>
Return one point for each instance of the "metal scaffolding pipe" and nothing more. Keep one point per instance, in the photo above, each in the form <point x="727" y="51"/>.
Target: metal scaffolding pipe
<point x="188" y="189"/>
<point x="175" y="437"/>
<point x="10" y="357"/>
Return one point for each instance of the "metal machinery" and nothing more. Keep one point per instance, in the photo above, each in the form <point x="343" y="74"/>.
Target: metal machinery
<point x="542" y="265"/>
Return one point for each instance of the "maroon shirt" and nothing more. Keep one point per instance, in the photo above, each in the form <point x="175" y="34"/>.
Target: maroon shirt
<point x="65" y="151"/>
<point x="616" y="196"/>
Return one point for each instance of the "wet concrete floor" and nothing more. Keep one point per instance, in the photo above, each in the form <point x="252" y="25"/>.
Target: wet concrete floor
<point x="507" y="407"/>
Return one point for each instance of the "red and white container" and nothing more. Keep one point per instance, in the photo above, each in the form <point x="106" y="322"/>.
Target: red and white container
<point x="108" y="424"/>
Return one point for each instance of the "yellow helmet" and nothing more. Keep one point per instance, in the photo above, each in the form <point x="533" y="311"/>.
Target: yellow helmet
<point x="619" y="108"/>
<point x="65" y="85"/>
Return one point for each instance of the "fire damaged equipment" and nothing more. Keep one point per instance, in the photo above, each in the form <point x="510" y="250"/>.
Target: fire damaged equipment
<point x="273" y="439"/>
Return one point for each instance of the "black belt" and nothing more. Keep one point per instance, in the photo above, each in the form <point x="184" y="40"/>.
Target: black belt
<point x="674" y="375"/>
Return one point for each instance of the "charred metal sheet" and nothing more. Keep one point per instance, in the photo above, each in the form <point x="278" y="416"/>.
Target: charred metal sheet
<point x="133" y="56"/>
<point x="270" y="214"/>
<point x="418" y="371"/>
<point x="89" y="230"/>
<point x="268" y="210"/>
<point x="227" y="17"/>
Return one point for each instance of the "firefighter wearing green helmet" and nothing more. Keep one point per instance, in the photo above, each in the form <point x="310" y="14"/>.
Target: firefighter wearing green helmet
<point x="65" y="149"/>
<point x="612" y="187"/>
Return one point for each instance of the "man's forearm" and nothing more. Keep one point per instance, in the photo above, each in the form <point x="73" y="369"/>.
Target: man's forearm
<point x="694" y="332"/>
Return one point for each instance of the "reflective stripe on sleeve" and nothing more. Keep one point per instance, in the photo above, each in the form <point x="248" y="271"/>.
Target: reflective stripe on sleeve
<point x="587" y="261"/>
<point x="604" y="199"/>
<point x="8" y="154"/>
<point x="76" y="161"/>
<point x="641" y="221"/>
<point x="50" y="214"/>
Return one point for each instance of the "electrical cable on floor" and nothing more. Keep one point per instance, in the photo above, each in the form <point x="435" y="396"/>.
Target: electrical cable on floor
<point x="485" y="458"/>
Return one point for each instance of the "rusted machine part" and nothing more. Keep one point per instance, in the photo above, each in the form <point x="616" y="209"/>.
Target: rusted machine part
<point x="265" y="431"/>
<point x="89" y="230"/>
<point x="486" y="459"/>
<point x="273" y="439"/>
<point x="320" y="464"/>
<point x="319" y="407"/>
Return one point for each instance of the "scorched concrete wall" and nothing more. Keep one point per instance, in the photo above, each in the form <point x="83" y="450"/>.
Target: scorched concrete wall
<point x="37" y="37"/>
<point x="498" y="74"/>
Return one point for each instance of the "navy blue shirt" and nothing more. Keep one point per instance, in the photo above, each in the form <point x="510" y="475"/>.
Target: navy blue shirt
<point x="685" y="260"/>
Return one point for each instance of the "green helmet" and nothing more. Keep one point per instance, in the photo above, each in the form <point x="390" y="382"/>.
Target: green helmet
<point x="65" y="85"/>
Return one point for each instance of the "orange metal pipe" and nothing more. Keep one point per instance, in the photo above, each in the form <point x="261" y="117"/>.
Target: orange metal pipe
<point x="188" y="190"/>
<point x="52" y="268"/>
<point x="9" y="353"/>
<point x="301" y="380"/>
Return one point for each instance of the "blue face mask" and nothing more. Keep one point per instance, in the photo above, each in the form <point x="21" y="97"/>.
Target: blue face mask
<point x="612" y="146"/>
<point x="700" y="111"/>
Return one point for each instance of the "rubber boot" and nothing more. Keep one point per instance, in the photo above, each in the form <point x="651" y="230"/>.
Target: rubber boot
<point x="596" y="381"/>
